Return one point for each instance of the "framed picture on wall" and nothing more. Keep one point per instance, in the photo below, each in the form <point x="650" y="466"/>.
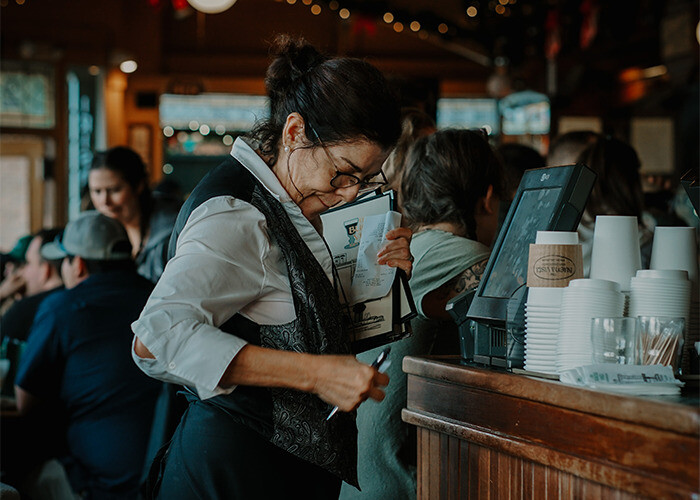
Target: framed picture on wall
<point x="140" y="137"/>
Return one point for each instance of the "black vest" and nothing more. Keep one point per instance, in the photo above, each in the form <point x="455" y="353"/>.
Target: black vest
<point x="293" y="420"/>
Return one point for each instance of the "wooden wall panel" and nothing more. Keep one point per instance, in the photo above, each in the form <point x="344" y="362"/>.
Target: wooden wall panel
<point x="454" y="469"/>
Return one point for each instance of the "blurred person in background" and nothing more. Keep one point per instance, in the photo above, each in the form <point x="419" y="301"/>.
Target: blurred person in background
<point x="617" y="191"/>
<point x="566" y="148"/>
<point x="118" y="187"/>
<point x="77" y="370"/>
<point x="515" y="158"/>
<point x="12" y="285"/>
<point x="41" y="278"/>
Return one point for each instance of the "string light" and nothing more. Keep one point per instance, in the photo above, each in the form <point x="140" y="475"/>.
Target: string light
<point x="128" y="66"/>
<point x="415" y="25"/>
<point x="168" y="131"/>
<point x="500" y="9"/>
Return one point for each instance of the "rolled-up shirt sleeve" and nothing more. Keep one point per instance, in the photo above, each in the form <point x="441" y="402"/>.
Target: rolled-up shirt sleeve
<point x="218" y="269"/>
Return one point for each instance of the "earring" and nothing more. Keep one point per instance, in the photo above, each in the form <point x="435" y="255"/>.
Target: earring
<point x="286" y="149"/>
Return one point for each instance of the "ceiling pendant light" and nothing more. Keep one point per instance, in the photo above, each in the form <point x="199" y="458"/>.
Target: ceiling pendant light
<point x="211" y="6"/>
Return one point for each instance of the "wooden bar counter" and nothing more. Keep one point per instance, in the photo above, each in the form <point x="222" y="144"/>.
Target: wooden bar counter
<point x="484" y="433"/>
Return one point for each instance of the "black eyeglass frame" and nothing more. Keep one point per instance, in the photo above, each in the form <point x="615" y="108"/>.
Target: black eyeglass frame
<point x="352" y="180"/>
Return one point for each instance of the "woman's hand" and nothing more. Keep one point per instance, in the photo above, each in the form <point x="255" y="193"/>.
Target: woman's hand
<point x="397" y="253"/>
<point x="345" y="382"/>
<point x="339" y="380"/>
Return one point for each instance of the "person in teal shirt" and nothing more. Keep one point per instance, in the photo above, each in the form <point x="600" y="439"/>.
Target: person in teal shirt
<point x="450" y="193"/>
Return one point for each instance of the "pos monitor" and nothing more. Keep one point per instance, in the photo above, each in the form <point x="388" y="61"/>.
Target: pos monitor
<point x="547" y="199"/>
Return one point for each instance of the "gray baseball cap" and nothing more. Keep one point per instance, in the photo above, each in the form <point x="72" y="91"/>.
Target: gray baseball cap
<point x="92" y="236"/>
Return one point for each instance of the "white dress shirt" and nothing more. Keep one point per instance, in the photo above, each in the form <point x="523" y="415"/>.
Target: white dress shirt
<point x="225" y="263"/>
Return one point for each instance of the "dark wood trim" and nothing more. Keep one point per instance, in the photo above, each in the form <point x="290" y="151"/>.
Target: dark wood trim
<point x="482" y="433"/>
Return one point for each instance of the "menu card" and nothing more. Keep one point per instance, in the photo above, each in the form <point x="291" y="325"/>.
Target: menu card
<point x="377" y="298"/>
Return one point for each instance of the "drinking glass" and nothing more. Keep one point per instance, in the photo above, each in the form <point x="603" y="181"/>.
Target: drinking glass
<point x="613" y="340"/>
<point x="660" y="341"/>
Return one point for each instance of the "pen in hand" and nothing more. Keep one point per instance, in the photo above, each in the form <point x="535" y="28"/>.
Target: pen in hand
<point x="377" y="363"/>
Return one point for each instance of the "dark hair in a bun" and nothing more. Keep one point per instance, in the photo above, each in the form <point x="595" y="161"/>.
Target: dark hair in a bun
<point x="341" y="98"/>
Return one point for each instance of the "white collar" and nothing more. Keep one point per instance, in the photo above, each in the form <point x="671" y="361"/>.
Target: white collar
<point x="243" y="151"/>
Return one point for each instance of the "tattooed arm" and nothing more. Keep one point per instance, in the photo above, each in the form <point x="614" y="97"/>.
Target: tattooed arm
<point x="434" y="302"/>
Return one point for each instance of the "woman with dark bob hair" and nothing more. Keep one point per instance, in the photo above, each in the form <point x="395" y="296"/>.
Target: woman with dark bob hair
<point x="118" y="187"/>
<point x="246" y="316"/>
<point x="450" y="191"/>
<point x="450" y="194"/>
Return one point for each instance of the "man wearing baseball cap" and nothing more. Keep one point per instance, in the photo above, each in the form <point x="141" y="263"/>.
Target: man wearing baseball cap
<point x="77" y="362"/>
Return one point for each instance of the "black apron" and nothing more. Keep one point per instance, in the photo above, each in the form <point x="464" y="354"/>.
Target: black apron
<point x="291" y="420"/>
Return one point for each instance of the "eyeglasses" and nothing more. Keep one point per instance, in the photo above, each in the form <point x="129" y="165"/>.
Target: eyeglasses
<point x="343" y="180"/>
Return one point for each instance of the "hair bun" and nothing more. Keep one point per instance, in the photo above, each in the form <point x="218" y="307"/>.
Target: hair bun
<point x="294" y="57"/>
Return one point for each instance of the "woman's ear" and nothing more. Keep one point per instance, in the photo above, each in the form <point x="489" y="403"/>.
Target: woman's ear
<point x="487" y="203"/>
<point x="294" y="134"/>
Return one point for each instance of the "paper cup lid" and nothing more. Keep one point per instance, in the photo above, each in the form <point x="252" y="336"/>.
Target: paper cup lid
<point x="669" y="274"/>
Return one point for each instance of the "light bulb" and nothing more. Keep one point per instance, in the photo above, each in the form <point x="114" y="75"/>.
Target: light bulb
<point x="211" y="6"/>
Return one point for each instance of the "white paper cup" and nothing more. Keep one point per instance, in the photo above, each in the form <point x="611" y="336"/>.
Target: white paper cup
<point x="595" y="284"/>
<point x="616" y="255"/>
<point x="544" y="296"/>
<point x="556" y="238"/>
<point x="675" y="248"/>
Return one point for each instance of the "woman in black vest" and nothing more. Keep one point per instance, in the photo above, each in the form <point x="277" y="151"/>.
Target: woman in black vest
<point x="246" y="316"/>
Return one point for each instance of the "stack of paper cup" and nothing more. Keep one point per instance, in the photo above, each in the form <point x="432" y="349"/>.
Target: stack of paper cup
<point x="616" y="255"/>
<point x="583" y="300"/>
<point x="542" y="309"/>
<point x="665" y="292"/>
<point x="676" y="248"/>
<point x="657" y="292"/>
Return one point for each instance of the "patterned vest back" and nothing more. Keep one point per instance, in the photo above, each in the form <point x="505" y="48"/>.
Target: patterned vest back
<point x="293" y="420"/>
